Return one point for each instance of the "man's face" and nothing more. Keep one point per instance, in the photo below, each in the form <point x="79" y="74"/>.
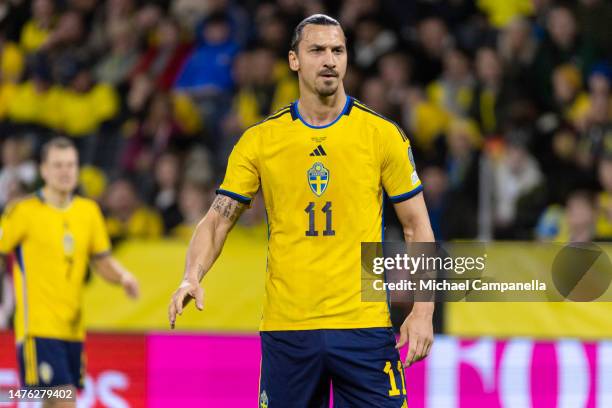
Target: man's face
<point x="562" y="26"/>
<point x="488" y="66"/>
<point x="121" y="199"/>
<point x="216" y="33"/>
<point x="432" y="35"/>
<point x="262" y="67"/>
<point x="320" y="59"/>
<point x="60" y="169"/>
<point x="580" y="213"/>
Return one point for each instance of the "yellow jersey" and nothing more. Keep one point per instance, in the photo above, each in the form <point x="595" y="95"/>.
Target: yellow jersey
<point x="144" y="223"/>
<point x="323" y="192"/>
<point x="52" y="247"/>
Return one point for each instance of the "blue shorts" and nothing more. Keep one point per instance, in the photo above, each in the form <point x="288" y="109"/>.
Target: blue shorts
<point x="47" y="362"/>
<point x="362" y="367"/>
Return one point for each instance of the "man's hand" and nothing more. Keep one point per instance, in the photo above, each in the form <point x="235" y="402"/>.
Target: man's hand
<point x="111" y="270"/>
<point x="187" y="290"/>
<point x="417" y="330"/>
<point x="130" y="285"/>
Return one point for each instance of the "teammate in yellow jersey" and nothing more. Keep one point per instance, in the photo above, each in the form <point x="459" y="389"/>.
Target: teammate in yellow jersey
<point x="322" y="164"/>
<point x="54" y="235"/>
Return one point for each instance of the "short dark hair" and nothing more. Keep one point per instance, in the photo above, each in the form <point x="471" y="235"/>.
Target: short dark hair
<point x="316" y="19"/>
<point x="59" y="142"/>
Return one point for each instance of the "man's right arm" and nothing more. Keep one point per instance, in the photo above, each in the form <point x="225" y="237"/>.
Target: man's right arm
<point x="205" y="246"/>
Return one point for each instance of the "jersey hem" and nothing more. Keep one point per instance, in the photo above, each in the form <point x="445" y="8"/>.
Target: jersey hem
<point x="268" y="326"/>
<point x="20" y="339"/>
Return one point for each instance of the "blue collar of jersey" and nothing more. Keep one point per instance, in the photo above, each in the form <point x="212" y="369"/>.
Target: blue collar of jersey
<point x="295" y="113"/>
<point x="39" y="193"/>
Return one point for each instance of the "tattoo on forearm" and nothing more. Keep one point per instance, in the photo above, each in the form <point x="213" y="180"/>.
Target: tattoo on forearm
<point x="228" y="207"/>
<point x="200" y="272"/>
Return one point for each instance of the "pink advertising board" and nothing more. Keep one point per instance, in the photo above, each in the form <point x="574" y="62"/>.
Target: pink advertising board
<point x="203" y="370"/>
<point x="211" y="371"/>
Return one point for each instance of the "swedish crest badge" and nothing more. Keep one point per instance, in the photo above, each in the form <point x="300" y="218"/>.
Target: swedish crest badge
<point x="318" y="178"/>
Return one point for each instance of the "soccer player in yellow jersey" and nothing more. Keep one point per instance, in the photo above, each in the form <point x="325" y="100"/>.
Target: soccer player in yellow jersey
<point x="322" y="164"/>
<point x="54" y="235"/>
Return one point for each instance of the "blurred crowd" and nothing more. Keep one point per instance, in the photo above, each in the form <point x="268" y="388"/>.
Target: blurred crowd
<point x="507" y="103"/>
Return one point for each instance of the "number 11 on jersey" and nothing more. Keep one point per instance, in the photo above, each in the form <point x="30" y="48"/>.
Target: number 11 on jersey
<point x="310" y="210"/>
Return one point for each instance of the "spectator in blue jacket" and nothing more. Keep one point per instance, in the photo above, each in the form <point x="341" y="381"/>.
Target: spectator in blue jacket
<point x="208" y="68"/>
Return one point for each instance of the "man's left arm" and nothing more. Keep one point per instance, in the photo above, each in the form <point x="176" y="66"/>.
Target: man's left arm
<point x="111" y="270"/>
<point x="103" y="261"/>
<point x="417" y="329"/>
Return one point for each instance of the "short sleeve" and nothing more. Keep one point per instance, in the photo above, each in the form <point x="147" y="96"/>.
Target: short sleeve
<point x="100" y="243"/>
<point x="13" y="227"/>
<point x="399" y="177"/>
<point x="241" y="180"/>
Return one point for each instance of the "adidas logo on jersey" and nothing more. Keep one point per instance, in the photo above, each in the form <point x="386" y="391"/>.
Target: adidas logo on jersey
<point x="318" y="151"/>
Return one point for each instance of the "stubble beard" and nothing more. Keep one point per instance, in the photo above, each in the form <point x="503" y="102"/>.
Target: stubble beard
<point x="327" y="90"/>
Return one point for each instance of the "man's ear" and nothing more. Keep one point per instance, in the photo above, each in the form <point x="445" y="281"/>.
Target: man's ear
<point x="294" y="63"/>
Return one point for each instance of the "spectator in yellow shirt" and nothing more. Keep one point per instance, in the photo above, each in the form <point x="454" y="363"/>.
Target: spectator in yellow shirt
<point x="454" y="90"/>
<point x="574" y="223"/>
<point x="127" y="217"/>
<point x="82" y="108"/>
<point x="265" y="86"/>
<point x="36" y="31"/>
<point x="572" y="101"/>
<point x="35" y="101"/>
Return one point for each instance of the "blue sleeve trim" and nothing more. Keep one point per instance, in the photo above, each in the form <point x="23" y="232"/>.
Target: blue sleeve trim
<point x="403" y="197"/>
<point x="240" y="198"/>
<point x="100" y="255"/>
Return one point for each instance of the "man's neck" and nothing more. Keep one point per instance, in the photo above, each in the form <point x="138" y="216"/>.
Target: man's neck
<point x="321" y="111"/>
<point x="56" y="198"/>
